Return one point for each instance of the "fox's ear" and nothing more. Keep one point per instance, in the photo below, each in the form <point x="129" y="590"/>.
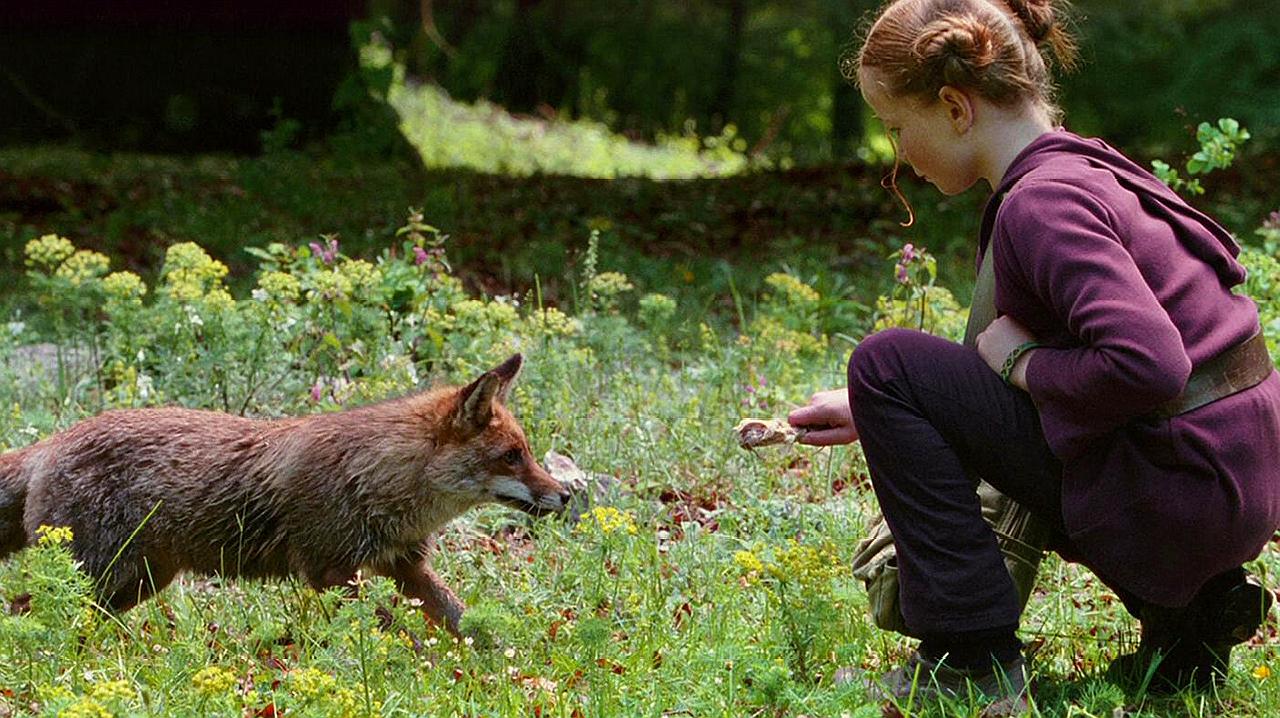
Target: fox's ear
<point x="507" y="371"/>
<point x="475" y="403"/>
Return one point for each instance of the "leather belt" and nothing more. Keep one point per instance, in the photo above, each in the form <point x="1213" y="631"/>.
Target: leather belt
<point x="1234" y="370"/>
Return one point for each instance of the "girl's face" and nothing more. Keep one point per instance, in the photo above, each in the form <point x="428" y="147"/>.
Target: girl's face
<point x="928" y="136"/>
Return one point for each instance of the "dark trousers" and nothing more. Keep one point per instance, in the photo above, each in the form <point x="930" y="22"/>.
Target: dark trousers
<point x="932" y="417"/>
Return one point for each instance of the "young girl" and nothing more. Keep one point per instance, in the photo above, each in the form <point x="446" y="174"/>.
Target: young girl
<point x="1086" y="398"/>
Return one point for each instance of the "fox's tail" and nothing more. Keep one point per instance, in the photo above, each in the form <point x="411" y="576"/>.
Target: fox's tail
<point x="13" y="498"/>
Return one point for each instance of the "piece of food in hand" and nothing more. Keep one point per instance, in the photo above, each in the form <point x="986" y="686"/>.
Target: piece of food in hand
<point x="765" y="432"/>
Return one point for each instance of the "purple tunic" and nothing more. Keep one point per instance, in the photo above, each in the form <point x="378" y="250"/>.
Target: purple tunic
<point x="1130" y="288"/>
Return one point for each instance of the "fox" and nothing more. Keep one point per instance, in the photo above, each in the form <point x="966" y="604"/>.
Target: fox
<point x="150" y="493"/>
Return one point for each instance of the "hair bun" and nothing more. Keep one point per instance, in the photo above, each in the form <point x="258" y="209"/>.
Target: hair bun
<point x="960" y="47"/>
<point x="1037" y="17"/>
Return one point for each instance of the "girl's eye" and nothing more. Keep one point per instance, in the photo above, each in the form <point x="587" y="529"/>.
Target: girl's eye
<point x="513" y="456"/>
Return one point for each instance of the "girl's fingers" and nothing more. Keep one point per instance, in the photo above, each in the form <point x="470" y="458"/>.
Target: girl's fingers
<point x="830" y="437"/>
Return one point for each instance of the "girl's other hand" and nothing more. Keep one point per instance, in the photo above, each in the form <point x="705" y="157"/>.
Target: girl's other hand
<point x="827" y="419"/>
<point x="998" y="339"/>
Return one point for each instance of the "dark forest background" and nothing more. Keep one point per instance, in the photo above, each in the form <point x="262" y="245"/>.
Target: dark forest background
<point x="157" y="75"/>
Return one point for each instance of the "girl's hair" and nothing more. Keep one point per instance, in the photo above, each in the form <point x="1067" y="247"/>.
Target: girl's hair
<point x="991" y="47"/>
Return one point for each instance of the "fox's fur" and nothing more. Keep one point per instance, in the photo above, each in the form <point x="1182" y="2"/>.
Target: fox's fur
<point x="149" y="493"/>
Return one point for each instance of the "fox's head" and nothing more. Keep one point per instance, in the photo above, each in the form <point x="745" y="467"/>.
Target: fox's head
<point x="490" y="445"/>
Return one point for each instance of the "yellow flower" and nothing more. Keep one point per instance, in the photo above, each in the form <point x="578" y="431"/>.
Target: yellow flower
<point x="364" y="277"/>
<point x="792" y="290"/>
<point x="330" y="286"/>
<point x="83" y="266"/>
<point x="48" y="252"/>
<point x="748" y="561"/>
<point x="553" y="322"/>
<point x="1262" y="673"/>
<point x="124" y="288"/>
<point x="86" y="708"/>
<point x="189" y="272"/>
<point x="213" y="680"/>
<point x="610" y="284"/>
<point x="280" y="286"/>
<point x="53" y="536"/>
<point x="112" y="691"/>
<point x="608" y="520"/>
<point x="310" y="683"/>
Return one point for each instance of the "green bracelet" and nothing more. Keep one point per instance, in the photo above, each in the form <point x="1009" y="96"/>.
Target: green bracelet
<point x="1006" y="370"/>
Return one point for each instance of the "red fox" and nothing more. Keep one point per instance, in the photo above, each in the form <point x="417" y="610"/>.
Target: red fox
<point x="152" y="492"/>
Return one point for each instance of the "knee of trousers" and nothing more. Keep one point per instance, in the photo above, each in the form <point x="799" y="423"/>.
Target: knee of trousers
<point x="882" y="358"/>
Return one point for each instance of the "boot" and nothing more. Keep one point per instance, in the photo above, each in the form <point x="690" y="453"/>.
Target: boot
<point x="1190" y="647"/>
<point x="922" y="678"/>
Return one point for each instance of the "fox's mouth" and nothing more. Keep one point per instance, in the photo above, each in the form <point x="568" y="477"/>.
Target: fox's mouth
<point x="529" y="507"/>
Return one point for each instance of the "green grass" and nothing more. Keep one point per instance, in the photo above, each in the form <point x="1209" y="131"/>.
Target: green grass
<point x="570" y="618"/>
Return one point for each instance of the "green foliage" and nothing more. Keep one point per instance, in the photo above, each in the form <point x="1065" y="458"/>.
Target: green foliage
<point x="1218" y="147"/>
<point x="916" y="301"/>
<point x="702" y="580"/>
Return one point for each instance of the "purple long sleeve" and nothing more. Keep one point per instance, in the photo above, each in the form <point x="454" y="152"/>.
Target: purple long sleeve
<point x="1060" y="242"/>
<point x="1129" y="287"/>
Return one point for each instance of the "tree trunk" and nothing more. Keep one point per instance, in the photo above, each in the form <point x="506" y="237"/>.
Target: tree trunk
<point x="730" y="61"/>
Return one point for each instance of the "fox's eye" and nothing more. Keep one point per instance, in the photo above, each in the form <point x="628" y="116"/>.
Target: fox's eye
<point x="513" y="456"/>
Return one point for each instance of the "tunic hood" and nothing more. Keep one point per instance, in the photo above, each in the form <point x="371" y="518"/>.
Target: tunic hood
<point x="1202" y="236"/>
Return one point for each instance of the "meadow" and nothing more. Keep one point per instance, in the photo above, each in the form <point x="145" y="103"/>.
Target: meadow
<point x="694" y="579"/>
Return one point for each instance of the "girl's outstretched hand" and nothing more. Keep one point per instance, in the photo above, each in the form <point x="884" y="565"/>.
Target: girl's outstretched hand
<point x="827" y="419"/>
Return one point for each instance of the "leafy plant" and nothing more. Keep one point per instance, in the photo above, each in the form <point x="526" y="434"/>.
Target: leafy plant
<point x="1218" y="147"/>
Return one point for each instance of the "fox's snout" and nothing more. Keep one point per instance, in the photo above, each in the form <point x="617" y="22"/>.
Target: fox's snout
<point x="536" y="492"/>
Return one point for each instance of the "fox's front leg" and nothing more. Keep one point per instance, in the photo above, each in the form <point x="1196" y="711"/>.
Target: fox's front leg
<point x="415" y="578"/>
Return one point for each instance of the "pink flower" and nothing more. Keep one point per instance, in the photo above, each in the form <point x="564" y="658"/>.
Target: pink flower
<point x="420" y="256"/>
<point x="327" y="254"/>
<point x="1272" y="222"/>
<point x="317" y="392"/>
<point x="908" y="253"/>
<point x="902" y="274"/>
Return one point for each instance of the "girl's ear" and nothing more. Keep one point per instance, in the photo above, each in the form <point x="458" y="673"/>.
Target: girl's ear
<point x="958" y="106"/>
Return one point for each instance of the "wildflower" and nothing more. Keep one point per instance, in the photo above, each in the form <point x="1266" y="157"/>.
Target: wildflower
<point x="86" y="708"/>
<point x="48" y="251"/>
<point x="280" y="286"/>
<point x="328" y="253"/>
<point x="792" y="290"/>
<point x="364" y="277"/>
<point x="420" y="256"/>
<point x="509" y="653"/>
<point x="330" y="286"/>
<point x="1262" y="673"/>
<point x="1272" y="222"/>
<point x="83" y="266"/>
<point x="610" y="284"/>
<point x="213" y="680"/>
<point x="189" y="272"/>
<point x="124" y="288"/>
<point x="53" y="536"/>
<point x="748" y="561"/>
<point x="552" y="322"/>
<point x="112" y="691"/>
<point x="608" y="520"/>
<point x="310" y="683"/>
<point x="908" y="253"/>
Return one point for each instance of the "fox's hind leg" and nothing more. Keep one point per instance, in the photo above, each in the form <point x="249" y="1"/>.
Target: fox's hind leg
<point x="125" y="585"/>
<point x="415" y="578"/>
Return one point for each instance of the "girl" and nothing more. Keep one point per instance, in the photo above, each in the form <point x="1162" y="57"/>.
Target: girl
<point x="1085" y="399"/>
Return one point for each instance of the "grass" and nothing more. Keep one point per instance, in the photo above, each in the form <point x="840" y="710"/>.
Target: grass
<point x="705" y="581"/>
<point x="731" y="597"/>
